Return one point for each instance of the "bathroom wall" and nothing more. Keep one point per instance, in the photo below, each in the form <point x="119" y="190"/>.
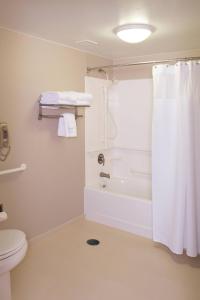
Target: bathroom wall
<point x="130" y="103"/>
<point x="132" y="109"/>
<point x="96" y="140"/>
<point x="119" y="125"/>
<point x="50" y="191"/>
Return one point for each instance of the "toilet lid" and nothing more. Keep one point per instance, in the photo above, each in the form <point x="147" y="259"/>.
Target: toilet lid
<point x="11" y="240"/>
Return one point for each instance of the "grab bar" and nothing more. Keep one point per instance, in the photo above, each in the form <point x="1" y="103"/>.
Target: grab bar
<point x="9" y="171"/>
<point x="136" y="173"/>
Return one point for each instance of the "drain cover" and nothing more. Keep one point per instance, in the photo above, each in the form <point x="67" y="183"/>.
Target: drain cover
<point x="93" y="242"/>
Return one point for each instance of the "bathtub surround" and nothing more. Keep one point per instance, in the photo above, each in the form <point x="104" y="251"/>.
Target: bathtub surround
<point x="119" y="125"/>
<point x="118" y="109"/>
<point x="130" y="103"/>
<point x="95" y="130"/>
<point x="40" y="198"/>
<point x="175" y="157"/>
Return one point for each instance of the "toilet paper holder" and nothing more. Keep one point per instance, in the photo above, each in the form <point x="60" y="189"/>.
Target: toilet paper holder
<point x="3" y="214"/>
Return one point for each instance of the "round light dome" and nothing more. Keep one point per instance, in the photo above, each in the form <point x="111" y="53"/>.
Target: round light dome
<point x="134" y="33"/>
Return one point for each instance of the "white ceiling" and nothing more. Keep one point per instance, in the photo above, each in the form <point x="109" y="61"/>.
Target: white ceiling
<point x="64" y="21"/>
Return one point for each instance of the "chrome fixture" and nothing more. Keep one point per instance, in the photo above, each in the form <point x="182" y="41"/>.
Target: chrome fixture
<point x="58" y="106"/>
<point x="101" y="159"/>
<point x="148" y="62"/>
<point x="102" y="174"/>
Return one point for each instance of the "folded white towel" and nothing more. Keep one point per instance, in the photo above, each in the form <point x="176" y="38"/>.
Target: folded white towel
<point x="66" y="97"/>
<point x="67" y="125"/>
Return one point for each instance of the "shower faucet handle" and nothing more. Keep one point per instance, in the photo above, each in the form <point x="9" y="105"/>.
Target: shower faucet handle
<point x="101" y="159"/>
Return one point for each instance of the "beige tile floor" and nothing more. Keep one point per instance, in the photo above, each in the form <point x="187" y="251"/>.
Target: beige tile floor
<point x="61" y="266"/>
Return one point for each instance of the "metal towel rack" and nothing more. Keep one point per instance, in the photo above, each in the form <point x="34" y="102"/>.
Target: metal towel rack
<point x="59" y="106"/>
<point x="9" y="171"/>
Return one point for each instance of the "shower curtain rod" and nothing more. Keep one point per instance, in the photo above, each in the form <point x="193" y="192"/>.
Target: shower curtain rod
<point x="150" y="62"/>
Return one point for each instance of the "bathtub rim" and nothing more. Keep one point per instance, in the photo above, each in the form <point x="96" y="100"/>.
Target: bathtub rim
<point x="96" y="188"/>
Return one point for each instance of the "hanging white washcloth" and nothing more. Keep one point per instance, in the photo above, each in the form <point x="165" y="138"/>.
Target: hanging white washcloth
<point x="66" y="97"/>
<point x="67" y="125"/>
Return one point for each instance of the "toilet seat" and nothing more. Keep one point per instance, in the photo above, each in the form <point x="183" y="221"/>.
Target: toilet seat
<point x="11" y="241"/>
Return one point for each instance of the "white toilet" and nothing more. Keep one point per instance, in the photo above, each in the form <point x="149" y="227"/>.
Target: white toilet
<point x="13" y="247"/>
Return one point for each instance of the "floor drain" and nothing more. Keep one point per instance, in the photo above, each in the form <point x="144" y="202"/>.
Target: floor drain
<point x="93" y="242"/>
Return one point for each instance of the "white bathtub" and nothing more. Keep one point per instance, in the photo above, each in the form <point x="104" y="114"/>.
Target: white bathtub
<point x="123" y="203"/>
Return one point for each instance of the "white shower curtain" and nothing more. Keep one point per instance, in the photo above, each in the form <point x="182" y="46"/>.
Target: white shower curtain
<point x="176" y="157"/>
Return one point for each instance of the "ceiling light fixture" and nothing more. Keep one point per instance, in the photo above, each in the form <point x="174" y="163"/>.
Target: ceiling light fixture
<point x="134" y="33"/>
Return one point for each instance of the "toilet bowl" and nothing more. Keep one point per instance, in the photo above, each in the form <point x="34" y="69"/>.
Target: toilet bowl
<point x="13" y="247"/>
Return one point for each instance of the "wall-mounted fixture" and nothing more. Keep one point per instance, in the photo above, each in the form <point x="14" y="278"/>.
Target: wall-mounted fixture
<point x="101" y="159"/>
<point x="58" y="106"/>
<point x="3" y="214"/>
<point x="23" y="167"/>
<point x="134" y="33"/>
<point x="4" y="141"/>
<point x="105" y="175"/>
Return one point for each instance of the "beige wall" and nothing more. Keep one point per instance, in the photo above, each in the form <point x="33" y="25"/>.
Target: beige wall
<point x="50" y="191"/>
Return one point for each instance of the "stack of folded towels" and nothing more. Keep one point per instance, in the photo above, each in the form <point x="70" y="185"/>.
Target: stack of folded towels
<point x="67" y="122"/>
<point x="68" y="97"/>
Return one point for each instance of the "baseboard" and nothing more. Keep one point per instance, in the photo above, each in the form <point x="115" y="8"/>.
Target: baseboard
<point x="57" y="228"/>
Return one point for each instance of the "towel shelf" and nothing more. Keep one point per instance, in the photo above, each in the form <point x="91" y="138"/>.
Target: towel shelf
<point x="59" y="106"/>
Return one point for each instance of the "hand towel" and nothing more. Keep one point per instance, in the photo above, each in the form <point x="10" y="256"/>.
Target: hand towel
<point x="67" y="125"/>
